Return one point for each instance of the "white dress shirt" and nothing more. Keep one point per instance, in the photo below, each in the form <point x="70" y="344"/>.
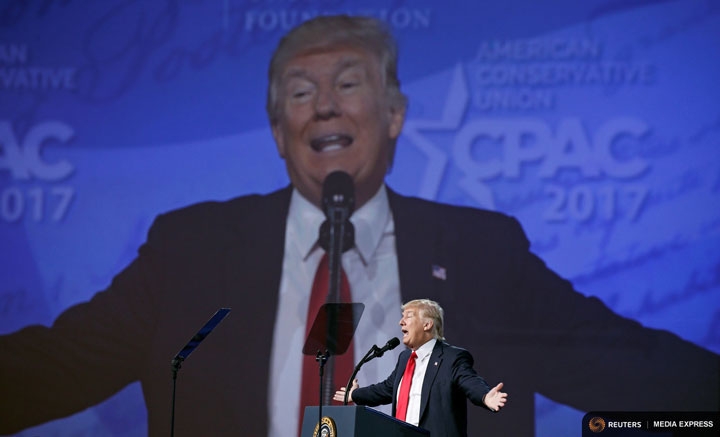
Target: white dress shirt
<point x="372" y="271"/>
<point x="421" y="365"/>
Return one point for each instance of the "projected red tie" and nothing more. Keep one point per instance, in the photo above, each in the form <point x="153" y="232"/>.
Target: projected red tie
<point x="404" y="398"/>
<point x="338" y="368"/>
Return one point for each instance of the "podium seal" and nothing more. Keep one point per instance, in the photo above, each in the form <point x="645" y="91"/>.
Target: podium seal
<point x="326" y="428"/>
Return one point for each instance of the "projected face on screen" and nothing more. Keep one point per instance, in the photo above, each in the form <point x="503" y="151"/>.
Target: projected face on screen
<point x="335" y="115"/>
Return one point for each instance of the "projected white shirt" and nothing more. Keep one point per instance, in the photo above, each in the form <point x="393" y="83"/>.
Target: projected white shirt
<point x="372" y="270"/>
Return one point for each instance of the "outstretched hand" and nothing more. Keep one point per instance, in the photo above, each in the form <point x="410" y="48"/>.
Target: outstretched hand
<point x="340" y="394"/>
<point x="495" y="399"/>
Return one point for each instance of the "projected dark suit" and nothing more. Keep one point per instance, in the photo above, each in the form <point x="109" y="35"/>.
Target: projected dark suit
<point x="536" y="334"/>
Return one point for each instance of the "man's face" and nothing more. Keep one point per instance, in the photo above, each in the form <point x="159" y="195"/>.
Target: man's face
<point x="416" y="331"/>
<point x="334" y="114"/>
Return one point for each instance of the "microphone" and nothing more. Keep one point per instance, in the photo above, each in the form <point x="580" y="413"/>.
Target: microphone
<point x="374" y="352"/>
<point x="390" y="345"/>
<point x="338" y="203"/>
<point x="338" y="192"/>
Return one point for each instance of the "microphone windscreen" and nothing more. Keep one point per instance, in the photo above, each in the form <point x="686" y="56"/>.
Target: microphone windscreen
<point x="338" y="191"/>
<point x="393" y="343"/>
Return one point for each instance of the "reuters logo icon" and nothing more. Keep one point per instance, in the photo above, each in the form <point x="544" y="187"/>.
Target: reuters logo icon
<point x="596" y="424"/>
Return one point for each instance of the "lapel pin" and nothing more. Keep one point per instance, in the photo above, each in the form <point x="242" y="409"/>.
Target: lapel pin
<point x="439" y="272"/>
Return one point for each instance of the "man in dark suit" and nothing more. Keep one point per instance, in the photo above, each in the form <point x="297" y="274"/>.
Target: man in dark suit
<point x="334" y="103"/>
<point x="432" y="380"/>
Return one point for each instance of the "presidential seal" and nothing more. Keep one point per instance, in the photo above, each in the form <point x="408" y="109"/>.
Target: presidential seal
<point x="326" y="428"/>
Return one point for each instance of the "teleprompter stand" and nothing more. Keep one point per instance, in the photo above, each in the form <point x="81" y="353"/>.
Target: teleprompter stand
<point x="330" y="334"/>
<point x="194" y="342"/>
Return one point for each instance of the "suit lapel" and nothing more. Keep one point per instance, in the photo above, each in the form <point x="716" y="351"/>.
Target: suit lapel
<point x="254" y="254"/>
<point x="419" y="244"/>
<point x="253" y="258"/>
<point x="433" y="367"/>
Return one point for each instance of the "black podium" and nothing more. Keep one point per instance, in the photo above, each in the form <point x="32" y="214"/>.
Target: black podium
<point x="357" y="421"/>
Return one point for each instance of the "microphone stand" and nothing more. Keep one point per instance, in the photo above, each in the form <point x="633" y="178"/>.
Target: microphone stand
<point x="319" y="344"/>
<point x="374" y="352"/>
<point x="176" y="364"/>
<point x="338" y="216"/>
<point x="338" y="204"/>
<point x="321" y="359"/>
<point x="368" y="356"/>
<point x="338" y="199"/>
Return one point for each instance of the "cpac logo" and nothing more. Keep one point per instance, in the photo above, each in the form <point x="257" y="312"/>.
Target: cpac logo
<point x="24" y="160"/>
<point x="488" y="149"/>
<point x="567" y="147"/>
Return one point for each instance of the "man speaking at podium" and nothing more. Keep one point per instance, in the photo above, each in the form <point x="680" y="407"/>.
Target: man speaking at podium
<point x="432" y="380"/>
<point x="334" y="103"/>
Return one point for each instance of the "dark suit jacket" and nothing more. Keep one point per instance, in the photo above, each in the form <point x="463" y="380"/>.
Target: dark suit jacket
<point x="529" y="327"/>
<point x="449" y="382"/>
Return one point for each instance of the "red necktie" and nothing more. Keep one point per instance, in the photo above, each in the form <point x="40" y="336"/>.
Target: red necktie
<point x="343" y="364"/>
<point x="404" y="398"/>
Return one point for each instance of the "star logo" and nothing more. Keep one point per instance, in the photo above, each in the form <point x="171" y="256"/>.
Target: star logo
<point x="452" y="115"/>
